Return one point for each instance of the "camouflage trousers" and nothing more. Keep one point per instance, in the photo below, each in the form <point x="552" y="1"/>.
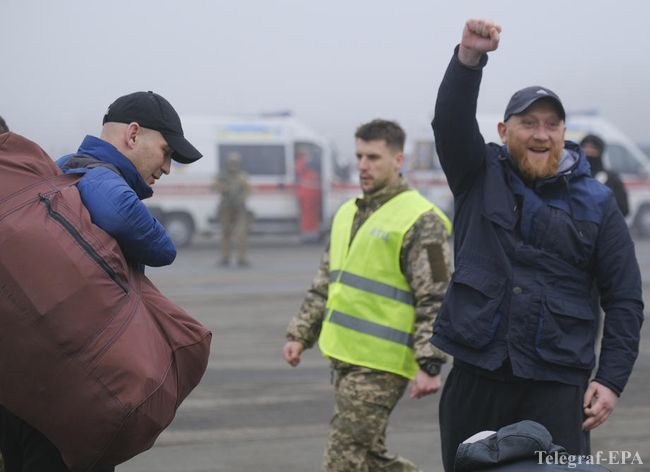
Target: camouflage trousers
<point x="234" y="228"/>
<point x="356" y="442"/>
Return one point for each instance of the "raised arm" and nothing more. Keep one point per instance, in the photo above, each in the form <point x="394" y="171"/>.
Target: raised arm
<point x="458" y="141"/>
<point x="479" y="37"/>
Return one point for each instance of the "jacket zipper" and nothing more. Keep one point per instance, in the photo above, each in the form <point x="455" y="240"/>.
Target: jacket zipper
<point x="69" y="227"/>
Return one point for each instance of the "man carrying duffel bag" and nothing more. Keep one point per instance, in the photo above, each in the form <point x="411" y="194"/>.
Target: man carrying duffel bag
<point x="94" y="360"/>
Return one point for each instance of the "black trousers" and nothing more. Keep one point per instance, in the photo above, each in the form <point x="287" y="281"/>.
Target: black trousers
<point x="25" y="449"/>
<point x="470" y="403"/>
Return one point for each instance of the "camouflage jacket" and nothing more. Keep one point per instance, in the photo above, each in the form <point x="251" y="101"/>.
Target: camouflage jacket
<point x="234" y="189"/>
<point x="424" y="261"/>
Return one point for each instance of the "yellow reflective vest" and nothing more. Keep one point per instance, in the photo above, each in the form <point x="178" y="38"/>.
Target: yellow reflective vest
<point x="370" y="306"/>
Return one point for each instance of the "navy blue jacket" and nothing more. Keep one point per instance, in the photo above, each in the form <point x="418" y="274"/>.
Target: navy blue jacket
<point x="112" y="194"/>
<point x="532" y="262"/>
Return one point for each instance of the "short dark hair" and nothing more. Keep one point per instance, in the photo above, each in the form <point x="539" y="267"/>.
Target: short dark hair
<point x="378" y="129"/>
<point x="3" y="126"/>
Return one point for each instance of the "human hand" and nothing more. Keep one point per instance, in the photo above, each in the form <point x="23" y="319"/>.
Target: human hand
<point x="292" y="351"/>
<point x="479" y="37"/>
<point x="599" y="402"/>
<point x="424" y="384"/>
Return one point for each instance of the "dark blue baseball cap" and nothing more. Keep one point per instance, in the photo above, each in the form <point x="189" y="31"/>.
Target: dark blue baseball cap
<point x="525" y="97"/>
<point x="152" y="111"/>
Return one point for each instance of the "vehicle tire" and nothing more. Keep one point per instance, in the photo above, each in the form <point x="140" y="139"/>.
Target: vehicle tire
<point x="642" y="221"/>
<point x="180" y="228"/>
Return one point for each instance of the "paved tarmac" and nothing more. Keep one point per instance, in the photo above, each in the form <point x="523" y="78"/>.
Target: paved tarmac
<point x="252" y="412"/>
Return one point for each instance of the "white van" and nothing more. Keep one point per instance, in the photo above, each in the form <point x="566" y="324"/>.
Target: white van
<point x="622" y="155"/>
<point x="186" y="203"/>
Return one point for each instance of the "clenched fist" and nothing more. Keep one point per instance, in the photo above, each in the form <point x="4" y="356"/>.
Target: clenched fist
<point x="292" y="351"/>
<point x="479" y="37"/>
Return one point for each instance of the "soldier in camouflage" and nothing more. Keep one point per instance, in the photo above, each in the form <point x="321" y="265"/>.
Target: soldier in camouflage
<point x="233" y="188"/>
<point x="365" y="396"/>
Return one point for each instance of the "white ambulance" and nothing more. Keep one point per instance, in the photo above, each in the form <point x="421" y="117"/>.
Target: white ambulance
<point x="269" y="148"/>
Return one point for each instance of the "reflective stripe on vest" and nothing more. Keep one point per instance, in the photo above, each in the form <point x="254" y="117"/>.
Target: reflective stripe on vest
<point x="370" y="307"/>
<point x="372" y="286"/>
<point x="374" y="329"/>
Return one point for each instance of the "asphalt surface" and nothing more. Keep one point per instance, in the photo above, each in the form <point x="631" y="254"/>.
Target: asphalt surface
<point x="252" y="412"/>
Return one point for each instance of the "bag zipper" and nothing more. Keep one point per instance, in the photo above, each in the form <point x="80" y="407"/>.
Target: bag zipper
<point x="69" y="227"/>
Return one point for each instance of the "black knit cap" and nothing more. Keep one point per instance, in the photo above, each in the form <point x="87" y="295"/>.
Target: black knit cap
<point x="525" y="97"/>
<point x="152" y="111"/>
<point x="595" y="141"/>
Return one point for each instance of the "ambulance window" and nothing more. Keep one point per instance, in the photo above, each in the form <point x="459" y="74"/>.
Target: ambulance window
<point x="620" y="160"/>
<point x="256" y="159"/>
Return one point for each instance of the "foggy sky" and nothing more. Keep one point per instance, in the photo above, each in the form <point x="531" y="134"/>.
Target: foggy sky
<point x="334" y="63"/>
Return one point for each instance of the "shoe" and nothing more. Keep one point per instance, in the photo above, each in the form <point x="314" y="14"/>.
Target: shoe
<point x="243" y="263"/>
<point x="223" y="263"/>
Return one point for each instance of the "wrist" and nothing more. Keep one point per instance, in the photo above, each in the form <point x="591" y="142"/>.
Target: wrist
<point x="470" y="58"/>
<point x="430" y="366"/>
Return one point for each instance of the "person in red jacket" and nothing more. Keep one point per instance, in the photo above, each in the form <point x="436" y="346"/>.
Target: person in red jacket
<point x="309" y="194"/>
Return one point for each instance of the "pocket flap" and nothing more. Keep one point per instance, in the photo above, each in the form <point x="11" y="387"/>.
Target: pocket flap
<point x="571" y="308"/>
<point x="482" y="280"/>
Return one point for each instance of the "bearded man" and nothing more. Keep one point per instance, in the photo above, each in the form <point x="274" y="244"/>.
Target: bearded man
<point x="538" y="243"/>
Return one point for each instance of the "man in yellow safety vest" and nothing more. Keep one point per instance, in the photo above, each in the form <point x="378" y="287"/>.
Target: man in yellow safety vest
<point x="373" y="302"/>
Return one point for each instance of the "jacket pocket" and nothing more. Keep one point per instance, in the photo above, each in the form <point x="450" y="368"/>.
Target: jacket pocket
<point x="566" y="333"/>
<point x="470" y="313"/>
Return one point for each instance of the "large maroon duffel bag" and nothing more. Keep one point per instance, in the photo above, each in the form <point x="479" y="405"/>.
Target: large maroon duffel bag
<point x="91" y="354"/>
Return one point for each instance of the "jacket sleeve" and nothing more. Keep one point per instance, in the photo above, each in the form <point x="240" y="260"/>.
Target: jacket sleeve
<point x="425" y="264"/>
<point x="115" y="207"/>
<point x="458" y="140"/>
<point x="619" y="285"/>
<point x="306" y="325"/>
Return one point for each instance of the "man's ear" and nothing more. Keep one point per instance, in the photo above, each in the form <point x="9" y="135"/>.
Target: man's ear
<point x="131" y="133"/>
<point x="399" y="160"/>
<point x="501" y="128"/>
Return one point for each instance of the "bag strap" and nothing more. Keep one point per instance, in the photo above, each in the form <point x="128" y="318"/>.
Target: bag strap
<point x="83" y="161"/>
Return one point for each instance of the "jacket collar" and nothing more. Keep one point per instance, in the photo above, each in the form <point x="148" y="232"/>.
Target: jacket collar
<point x="378" y="198"/>
<point x="105" y="151"/>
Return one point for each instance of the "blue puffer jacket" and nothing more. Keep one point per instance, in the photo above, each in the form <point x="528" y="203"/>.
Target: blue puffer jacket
<point x="111" y="191"/>
<point x="530" y="263"/>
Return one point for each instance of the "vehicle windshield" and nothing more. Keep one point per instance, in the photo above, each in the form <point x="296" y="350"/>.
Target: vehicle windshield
<point x="256" y="159"/>
<point x="620" y="160"/>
